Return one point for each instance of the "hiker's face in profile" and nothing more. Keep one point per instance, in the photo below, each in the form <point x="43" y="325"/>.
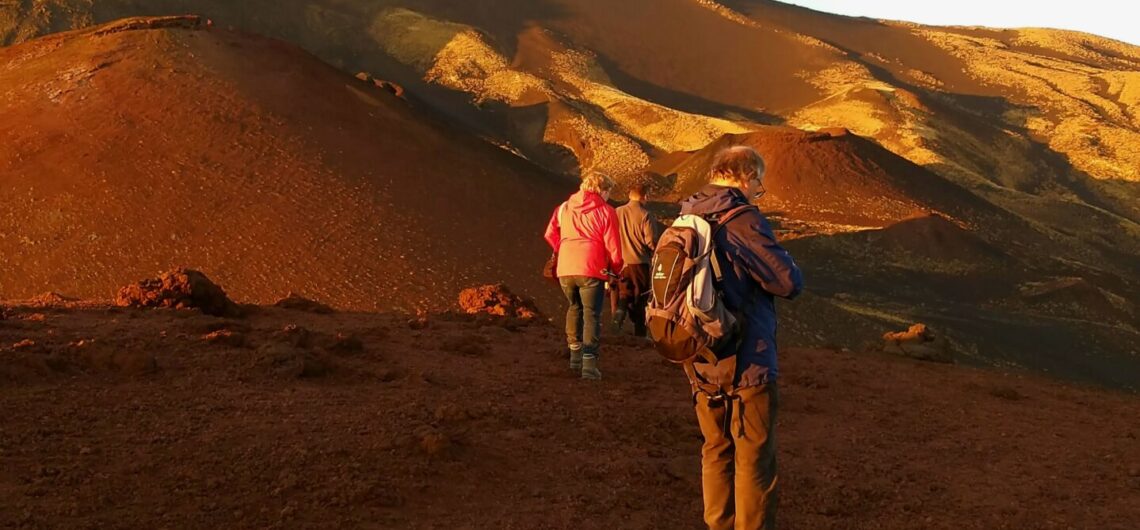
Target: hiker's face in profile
<point x="755" y="188"/>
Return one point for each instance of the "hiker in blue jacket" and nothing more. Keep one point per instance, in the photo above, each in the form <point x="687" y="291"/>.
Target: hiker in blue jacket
<point x="738" y="458"/>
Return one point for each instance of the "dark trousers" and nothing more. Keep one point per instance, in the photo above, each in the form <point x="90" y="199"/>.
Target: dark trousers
<point x="738" y="458"/>
<point x="584" y="316"/>
<point x="634" y="292"/>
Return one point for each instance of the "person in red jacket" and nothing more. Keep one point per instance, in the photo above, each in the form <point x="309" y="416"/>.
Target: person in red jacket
<point x="583" y="231"/>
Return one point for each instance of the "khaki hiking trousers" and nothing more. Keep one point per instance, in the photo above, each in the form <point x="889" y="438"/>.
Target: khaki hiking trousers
<point x="738" y="458"/>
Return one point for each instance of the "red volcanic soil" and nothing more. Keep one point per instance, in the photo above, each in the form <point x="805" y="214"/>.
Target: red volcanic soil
<point x="149" y="418"/>
<point x="133" y="147"/>
<point x="832" y="176"/>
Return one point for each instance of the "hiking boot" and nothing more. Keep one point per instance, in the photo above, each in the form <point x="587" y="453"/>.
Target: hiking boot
<point x="590" y="367"/>
<point x="640" y="331"/>
<point x="576" y="360"/>
<point x="619" y="320"/>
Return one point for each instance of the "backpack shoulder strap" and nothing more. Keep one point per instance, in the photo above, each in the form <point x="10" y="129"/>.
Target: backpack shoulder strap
<point x="731" y="214"/>
<point x="719" y="223"/>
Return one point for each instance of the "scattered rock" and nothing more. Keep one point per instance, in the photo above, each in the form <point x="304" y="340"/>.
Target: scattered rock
<point x="917" y="333"/>
<point x="294" y="335"/>
<point x="225" y="337"/>
<point x="419" y="323"/>
<point x="298" y="303"/>
<point x="496" y="300"/>
<point x="394" y="88"/>
<point x="236" y="326"/>
<point x="388" y="86"/>
<point x="918" y="342"/>
<point x="50" y="299"/>
<point x="828" y="133"/>
<point x="26" y="344"/>
<point x="178" y="289"/>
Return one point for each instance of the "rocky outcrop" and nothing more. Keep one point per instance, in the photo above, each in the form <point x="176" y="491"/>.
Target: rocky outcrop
<point x="178" y="289"/>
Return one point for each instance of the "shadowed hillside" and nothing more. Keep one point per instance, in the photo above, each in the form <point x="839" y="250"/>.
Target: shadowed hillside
<point x="129" y="148"/>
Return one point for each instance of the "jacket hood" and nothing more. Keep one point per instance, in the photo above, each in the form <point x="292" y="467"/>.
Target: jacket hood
<point x="713" y="199"/>
<point x="586" y="201"/>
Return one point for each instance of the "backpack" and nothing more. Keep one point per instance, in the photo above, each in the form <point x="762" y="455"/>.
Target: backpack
<point x="686" y="317"/>
<point x="550" y="268"/>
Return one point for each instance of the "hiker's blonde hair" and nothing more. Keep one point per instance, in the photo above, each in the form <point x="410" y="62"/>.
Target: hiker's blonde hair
<point x="737" y="165"/>
<point x="597" y="182"/>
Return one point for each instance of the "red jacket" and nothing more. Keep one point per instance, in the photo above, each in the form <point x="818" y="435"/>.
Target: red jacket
<point x="589" y="242"/>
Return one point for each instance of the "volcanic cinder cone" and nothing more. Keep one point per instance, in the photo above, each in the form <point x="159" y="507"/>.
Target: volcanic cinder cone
<point x="150" y="143"/>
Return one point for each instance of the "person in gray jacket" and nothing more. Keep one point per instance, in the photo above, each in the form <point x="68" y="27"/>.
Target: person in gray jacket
<point x="639" y="230"/>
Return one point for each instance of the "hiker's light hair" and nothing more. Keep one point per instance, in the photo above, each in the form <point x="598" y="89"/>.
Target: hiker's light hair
<point x="737" y="165"/>
<point x="597" y="182"/>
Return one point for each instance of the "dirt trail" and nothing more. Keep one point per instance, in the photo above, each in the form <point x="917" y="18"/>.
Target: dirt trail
<point x="129" y="418"/>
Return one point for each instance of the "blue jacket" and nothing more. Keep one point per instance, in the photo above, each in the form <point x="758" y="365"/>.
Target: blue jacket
<point x="756" y="269"/>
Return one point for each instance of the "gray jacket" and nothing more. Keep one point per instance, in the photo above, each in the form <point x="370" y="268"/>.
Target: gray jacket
<point x="640" y="231"/>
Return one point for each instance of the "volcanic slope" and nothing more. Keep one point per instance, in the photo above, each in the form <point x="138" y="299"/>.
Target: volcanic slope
<point x="1041" y="122"/>
<point x="832" y="180"/>
<point x="595" y="84"/>
<point x="132" y="147"/>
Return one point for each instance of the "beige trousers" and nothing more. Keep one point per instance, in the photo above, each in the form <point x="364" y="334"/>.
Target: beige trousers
<point x="738" y="458"/>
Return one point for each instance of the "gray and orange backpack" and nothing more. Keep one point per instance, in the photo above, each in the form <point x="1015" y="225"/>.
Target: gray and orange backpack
<point x="686" y="316"/>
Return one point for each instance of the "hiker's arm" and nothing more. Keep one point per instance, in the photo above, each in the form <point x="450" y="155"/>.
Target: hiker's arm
<point x="652" y="231"/>
<point x="768" y="263"/>
<point x="554" y="231"/>
<point x="613" y="241"/>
